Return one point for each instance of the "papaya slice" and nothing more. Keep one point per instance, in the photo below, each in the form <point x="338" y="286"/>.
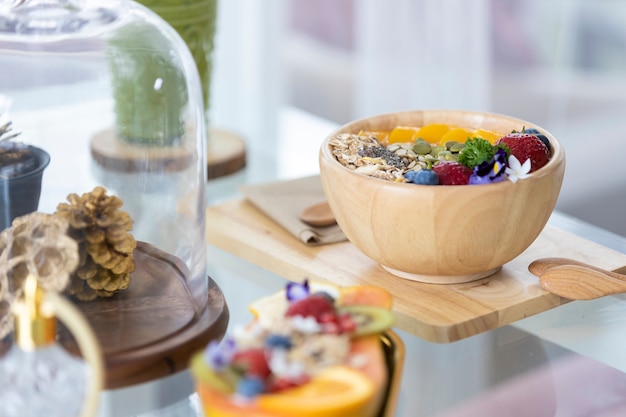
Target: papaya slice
<point x="355" y="388"/>
<point x="335" y="392"/>
<point x="366" y="295"/>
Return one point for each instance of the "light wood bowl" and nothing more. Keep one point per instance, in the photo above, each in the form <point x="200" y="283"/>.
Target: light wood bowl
<point x="441" y="234"/>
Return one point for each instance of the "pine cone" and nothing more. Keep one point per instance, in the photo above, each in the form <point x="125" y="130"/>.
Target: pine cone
<point x="105" y="244"/>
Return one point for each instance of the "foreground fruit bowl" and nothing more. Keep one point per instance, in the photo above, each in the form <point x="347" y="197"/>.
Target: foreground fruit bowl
<point x="317" y="378"/>
<point x="443" y="233"/>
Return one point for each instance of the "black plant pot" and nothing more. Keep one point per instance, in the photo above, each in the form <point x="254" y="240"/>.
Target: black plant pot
<point x="19" y="194"/>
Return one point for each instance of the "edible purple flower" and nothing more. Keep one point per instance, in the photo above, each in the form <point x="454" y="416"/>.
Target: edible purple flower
<point x="297" y="291"/>
<point x="490" y="171"/>
<point x="219" y="354"/>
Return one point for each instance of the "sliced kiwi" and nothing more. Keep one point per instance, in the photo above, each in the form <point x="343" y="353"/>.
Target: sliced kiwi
<point x="223" y="381"/>
<point x="368" y="319"/>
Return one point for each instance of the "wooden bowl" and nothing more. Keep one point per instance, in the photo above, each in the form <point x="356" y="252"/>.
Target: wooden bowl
<point x="441" y="234"/>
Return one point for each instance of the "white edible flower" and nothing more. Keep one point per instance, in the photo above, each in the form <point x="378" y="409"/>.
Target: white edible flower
<point x="516" y="170"/>
<point x="280" y="365"/>
<point x="248" y="337"/>
<point x="307" y="325"/>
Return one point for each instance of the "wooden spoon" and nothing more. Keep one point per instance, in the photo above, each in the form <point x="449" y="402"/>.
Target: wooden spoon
<point x="318" y="215"/>
<point x="577" y="282"/>
<point x="540" y="266"/>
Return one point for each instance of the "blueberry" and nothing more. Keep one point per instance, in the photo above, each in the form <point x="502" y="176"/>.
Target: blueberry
<point x="532" y="131"/>
<point x="544" y="139"/>
<point x="327" y="295"/>
<point x="278" y="341"/>
<point x="423" y="177"/>
<point x="250" y="386"/>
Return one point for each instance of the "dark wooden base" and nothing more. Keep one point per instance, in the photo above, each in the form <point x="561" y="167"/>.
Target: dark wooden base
<point x="151" y="329"/>
<point x="170" y="355"/>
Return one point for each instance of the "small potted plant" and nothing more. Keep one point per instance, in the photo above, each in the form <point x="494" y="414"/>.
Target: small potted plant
<point x="21" y="172"/>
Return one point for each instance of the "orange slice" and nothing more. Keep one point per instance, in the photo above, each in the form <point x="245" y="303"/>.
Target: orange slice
<point x="382" y="136"/>
<point x="458" y="134"/>
<point x="488" y="135"/>
<point x="402" y="134"/>
<point x="433" y="132"/>
<point x="335" y="392"/>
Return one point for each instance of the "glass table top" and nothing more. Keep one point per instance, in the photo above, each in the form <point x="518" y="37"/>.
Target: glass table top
<point x="551" y="357"/>
<point x="569" y="360"/>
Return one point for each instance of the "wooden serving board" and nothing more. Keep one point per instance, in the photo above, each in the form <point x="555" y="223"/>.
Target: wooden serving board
<point x="435" y="312"/>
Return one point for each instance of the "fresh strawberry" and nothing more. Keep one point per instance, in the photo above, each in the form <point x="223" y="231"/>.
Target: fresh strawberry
<point x="252" y="362"/>
<point x="347" y="323"/>
<point x="526" y="146"/>
<point x="452" y="173"/>
<point x="318" y="306"/>
<point x="282" y="383"/>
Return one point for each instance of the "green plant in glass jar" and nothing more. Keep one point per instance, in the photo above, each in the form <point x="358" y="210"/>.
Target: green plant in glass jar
<point x="149" y="88"/>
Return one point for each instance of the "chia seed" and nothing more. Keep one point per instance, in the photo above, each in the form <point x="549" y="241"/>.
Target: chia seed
<point x="382" y="152"/>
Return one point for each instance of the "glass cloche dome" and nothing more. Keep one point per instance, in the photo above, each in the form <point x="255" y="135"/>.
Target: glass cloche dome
<point x="107" y="102"/>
